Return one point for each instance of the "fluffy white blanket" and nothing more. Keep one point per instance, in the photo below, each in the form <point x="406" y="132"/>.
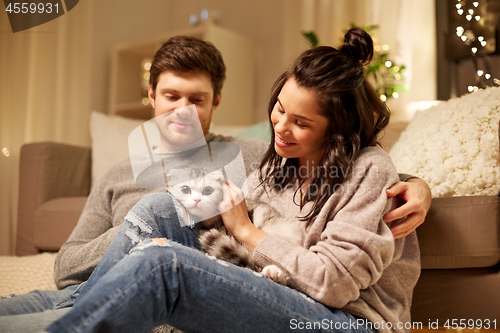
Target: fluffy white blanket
<point x="454" y="146"/>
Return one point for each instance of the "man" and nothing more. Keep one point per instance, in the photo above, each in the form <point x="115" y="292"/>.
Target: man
<point x="184" y="71"/>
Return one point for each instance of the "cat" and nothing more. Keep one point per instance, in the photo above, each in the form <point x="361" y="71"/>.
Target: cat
<point x="200" y="193"/>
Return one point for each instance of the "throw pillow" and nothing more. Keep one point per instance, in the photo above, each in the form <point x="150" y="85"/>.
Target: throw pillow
<point x="109" y="134"/>
<point x="453" y="146"/>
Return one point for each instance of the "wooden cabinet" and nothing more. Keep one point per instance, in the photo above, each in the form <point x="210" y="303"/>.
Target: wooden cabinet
<point x="126" y="95"/>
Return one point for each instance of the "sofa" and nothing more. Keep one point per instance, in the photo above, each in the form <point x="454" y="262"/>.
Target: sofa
<point x="459" y="241"/>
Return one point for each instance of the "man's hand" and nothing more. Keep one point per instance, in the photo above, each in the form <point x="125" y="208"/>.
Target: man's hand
<point x="417" y="195"/>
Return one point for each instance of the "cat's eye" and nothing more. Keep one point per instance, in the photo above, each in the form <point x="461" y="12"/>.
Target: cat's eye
<point x="207" y="190"/>
<point x="186" y="189"/>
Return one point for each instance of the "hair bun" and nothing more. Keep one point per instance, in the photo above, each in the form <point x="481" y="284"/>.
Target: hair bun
<point x="359" y="45"/>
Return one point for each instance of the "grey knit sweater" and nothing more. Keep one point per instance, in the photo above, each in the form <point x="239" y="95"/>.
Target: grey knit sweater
<point x="109" y="201"/>
<point x="349" y="259"/>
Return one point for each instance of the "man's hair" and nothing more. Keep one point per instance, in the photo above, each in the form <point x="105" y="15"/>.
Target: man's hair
<point x="185" y="54"/>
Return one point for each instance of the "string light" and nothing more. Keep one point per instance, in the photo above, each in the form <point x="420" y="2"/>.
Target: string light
<point x="466" y="34"/>
<point x="383" y="98"/>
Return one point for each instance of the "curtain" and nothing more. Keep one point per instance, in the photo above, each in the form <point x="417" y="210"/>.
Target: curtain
<point x="39" y="100"/>
<point x="407" y="26"/>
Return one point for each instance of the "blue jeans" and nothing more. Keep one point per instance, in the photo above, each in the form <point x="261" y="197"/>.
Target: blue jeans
<point x="36" y="310"/>
<point x="140" y="284"/>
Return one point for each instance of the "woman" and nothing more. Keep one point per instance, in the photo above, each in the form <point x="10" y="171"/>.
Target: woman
<point x="350" y="271"/>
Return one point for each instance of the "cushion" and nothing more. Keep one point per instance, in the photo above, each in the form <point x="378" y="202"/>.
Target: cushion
<point x="109" y="136"/>
<point x="261" y="131"/>
<point x="461" y="232"/>
<point x="55" y="220"/>
<point x="453" y="146"/>
<point x="460" y="294"/>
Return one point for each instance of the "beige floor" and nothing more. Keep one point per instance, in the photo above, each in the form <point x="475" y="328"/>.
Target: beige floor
<point x="19" y="275"/>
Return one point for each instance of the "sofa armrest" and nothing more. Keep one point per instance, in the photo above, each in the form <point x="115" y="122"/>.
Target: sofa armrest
<point x="47" y="170"/>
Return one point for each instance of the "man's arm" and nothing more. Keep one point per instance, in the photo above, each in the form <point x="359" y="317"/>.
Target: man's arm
<point x="108" y="203"/>
<point x="417" y="195"/>
<point x="87" y="243"/>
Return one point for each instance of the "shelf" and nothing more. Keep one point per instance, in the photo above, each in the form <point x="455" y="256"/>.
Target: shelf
<point x="236" y="108"/>
<point x="135" y="110"/>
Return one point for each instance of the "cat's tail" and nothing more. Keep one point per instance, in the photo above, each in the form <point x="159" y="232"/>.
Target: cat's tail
<point x="218" y="243"/>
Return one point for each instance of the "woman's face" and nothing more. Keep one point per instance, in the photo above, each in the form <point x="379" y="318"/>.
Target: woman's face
<point x="298" y="126"/>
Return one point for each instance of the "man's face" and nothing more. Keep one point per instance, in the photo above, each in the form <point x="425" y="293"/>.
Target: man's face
<point x="177" y="90"/>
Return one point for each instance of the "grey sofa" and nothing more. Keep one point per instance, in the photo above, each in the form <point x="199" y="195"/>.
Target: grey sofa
<point x="459" y="241"/>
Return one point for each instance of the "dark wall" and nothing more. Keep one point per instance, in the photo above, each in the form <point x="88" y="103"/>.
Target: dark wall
<point x="456" y="65"/>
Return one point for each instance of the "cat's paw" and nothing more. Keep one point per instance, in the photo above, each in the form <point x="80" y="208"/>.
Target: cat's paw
<point x="274" y="273"/>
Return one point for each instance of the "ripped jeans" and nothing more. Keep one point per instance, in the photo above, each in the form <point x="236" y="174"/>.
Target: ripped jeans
<point x="140" y="284"/>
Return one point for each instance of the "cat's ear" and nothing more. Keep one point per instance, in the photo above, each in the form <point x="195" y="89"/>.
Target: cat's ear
<point x="219" y="175"/>
<point x="171" y="178"/>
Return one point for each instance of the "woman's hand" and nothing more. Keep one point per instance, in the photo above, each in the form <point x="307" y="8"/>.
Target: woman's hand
<point x="234" y="214"/>
<point x="417" y="195"/>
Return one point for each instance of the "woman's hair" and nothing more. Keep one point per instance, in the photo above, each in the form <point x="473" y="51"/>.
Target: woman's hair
<point x="184" y="54"/>
<point x="354" y="112"/>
